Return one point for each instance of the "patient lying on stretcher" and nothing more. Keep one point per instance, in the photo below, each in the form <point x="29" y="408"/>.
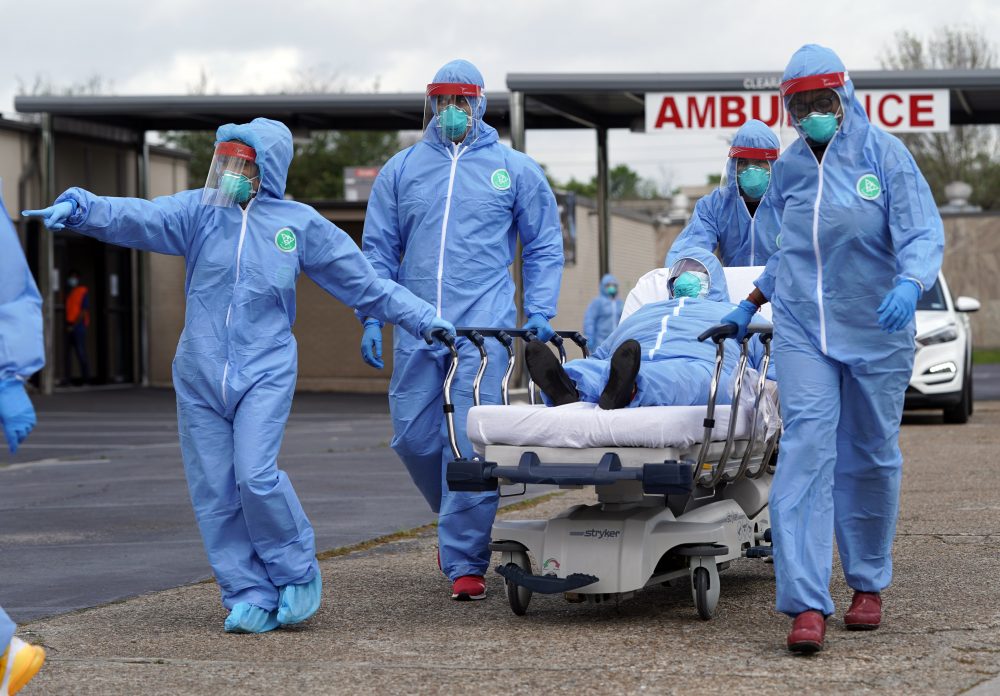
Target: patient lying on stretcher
<point x="654" y="357"/>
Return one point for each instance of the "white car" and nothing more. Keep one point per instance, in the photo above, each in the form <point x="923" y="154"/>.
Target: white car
<point x="942" y="367"/>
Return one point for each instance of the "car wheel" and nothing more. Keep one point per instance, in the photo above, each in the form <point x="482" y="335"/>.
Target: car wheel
<point x="960" y="412"/>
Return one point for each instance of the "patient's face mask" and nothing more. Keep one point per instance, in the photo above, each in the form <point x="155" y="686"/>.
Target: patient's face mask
<point x="691" y="284"/>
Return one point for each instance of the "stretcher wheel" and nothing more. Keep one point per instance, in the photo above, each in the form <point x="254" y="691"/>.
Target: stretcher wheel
<point x="517" y="595"/>
<point x="705" y="586"/>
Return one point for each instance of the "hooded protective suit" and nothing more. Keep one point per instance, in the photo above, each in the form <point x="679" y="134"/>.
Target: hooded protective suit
<point x="852" y="224"/>
<point x="236" y="362"/>
<point x="22" y="345"/>
<point x="603" y="313"/>
<point x="676" y="368"/>
<point x="722" y="220"/>
<point x="444" y="220"/>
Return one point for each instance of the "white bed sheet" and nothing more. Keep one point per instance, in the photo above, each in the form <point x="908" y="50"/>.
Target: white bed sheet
<point x="582" y="425"/>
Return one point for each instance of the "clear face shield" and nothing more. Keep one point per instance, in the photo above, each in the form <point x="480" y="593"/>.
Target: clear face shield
<point x="455" y="110"/>
<point x="688" y="278"/>
<point x="814" y="107"/>
<point x="232" y="176"/>
<point x="753" y="170"/>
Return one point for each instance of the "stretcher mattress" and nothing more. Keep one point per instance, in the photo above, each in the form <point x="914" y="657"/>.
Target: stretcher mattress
<point x="582" y="425"/>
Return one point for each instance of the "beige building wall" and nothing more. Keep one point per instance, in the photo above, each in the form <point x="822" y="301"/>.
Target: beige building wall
<point x="167" y="175"/>
<point x="15" y="153"/>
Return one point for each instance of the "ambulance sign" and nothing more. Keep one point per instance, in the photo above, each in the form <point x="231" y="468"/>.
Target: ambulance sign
<point x="897" y="111"/>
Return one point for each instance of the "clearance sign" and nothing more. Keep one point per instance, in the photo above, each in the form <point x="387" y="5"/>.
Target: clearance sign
<point x="898" y="111"/>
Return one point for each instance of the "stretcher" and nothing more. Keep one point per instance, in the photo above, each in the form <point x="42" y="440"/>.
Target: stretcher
<point x="681" y="490"/>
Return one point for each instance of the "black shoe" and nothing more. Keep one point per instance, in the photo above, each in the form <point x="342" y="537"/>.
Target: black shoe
<point x="620" y="388"/>
<point x="549" y="375"/>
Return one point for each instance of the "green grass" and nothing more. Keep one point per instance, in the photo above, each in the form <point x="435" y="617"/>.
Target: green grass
<point x="985" y="357"/>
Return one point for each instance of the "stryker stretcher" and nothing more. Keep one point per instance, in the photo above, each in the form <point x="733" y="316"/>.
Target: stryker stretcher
<point x="681" y="490"/>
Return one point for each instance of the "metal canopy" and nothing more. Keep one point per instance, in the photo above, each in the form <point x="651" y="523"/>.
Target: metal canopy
<point x="617" y="100"/>
<point x="298" y="111"/>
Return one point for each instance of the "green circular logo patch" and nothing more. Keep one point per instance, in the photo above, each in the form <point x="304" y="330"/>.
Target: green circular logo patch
<point x="285" y="239"/>
<point x="500" y="180"/>
<point x="869" y="187"/>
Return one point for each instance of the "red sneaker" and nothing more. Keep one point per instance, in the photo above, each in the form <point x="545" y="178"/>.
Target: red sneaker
<point x="865" y="613"/>
<point x="808" y="631"/>
<point x="469" y="587"/>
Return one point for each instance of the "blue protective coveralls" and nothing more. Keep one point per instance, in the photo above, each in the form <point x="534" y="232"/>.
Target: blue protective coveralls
<point x="443" y="225"/>
<point x="676" y="368"/>
<point x="852" y="225"/>
<point x="603" y="313"/>
<point x="721" y="220"/>
<point x="22" y="345"/>
<point x="236" y="362"/>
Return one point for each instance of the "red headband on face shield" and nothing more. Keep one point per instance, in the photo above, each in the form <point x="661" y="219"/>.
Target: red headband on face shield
<point x="455" y="89"/>
<point x="808" y="82"/>
<point x="753" y="153"/>
<point x="234" y="149"/>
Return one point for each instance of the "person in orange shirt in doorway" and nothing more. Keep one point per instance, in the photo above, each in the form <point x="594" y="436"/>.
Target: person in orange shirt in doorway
<point x="77" y="323"/>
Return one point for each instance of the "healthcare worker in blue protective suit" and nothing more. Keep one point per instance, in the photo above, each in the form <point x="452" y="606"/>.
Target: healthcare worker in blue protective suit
<point x="737" y="218"/>
<point x="603" y="312"/>
<point x="860" y="240"/>
<point x="654" y="357"/>
<point x="22" y="353"/>
<point x="236" y="362"/>
<point x="444" y="219"/>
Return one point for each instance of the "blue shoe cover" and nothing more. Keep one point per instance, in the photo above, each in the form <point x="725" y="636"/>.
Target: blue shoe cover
<point x="248" y="618"/>
<point x="299" y="602"/>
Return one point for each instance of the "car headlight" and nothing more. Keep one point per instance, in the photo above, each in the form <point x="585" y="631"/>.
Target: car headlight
<point x="942" y="335"/>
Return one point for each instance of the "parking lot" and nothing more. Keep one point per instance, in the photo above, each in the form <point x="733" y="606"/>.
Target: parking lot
<point x="387" y="625"/>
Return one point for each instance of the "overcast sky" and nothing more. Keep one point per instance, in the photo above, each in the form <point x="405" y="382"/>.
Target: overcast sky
<point x="162" y="46"/>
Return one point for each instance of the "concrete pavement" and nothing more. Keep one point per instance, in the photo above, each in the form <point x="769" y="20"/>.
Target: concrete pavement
<point x="387" y="625"/>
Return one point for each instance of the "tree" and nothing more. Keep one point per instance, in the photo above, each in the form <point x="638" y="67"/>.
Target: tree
<point x="965" y="153"/>
<point x="623" y="183"/>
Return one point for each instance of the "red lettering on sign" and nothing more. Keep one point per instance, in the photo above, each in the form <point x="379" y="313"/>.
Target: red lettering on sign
<point x="668" y="114"/>
<point x="773" y="116"/>
<point x="731" y="113"/>
<point x="701" y="117"/>
<point x="916" y="110"/>
<point x="881" y="110"/>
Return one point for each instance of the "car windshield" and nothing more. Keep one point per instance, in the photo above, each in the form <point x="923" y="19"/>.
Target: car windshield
<point x="932" y="300"/>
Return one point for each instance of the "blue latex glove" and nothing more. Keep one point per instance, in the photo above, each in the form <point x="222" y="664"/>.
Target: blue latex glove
<point x="741" y="317"/>
<point x="371" y="344"/>
<point x="438" y="323"/>
<point x="55" y="215"/>
<point x="16" y="413"/>
<point x="541" y="326"/>
<point x="899" y="306"/>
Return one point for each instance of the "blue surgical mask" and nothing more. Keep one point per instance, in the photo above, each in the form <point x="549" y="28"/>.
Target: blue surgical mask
<point x="610" y="290"/>
<point x="691" y="284"/>
<point x="454" y="122"/>
<point x="753" y="180"/>
<point x="819" y="128"/>
<point x="237" y="186"/>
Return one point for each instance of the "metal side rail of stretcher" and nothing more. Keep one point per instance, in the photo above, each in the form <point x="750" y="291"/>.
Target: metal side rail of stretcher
<point x="670" y="477"/>
<point x="644" y="538"/>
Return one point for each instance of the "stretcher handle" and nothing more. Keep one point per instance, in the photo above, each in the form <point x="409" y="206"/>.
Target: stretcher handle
<point x="479" y="342"/>
<point x="719" y="333"/>
<point x="449" y="408"/>
<point x="734" y="409"/>
<point x="752" y="443"/>
<point x="442" y="336"/>
<point x="723" y="331"/>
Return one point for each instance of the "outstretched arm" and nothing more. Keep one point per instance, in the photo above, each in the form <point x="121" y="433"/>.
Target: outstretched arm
<point x="162" y="225"/>
<point x="336" y="264"/>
